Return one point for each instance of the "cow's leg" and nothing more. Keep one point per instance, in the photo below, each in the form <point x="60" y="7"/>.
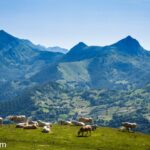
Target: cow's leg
<point x="79" y="133"/>
<point x="82" y="133"/>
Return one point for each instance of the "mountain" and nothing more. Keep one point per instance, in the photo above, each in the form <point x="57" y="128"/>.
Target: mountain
<point x="130" y="46"/>
<point x="124" y="65"/>
<point x="80" y="52"/>
<point x="19" y="61"/>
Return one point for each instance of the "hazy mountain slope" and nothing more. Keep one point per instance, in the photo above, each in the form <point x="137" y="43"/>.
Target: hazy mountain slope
<point x="57" y="49"/>
<point x="19" y="61"/>
<point x="22" y="57"/>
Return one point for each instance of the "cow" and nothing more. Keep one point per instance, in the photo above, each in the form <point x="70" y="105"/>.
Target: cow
<point x="77" y="123"/>
<point x="85" y="120"/>
<point x="85" y="129"/>
<point x="1" y="121"/>
<point x="62" y="122"/>
<point x="21" y="125"/>
<point x="129" y="126"/>
<point x="46" y="129"/>
<point x="33" y="122"/>
<point x="42" y="123"/>
<point x="30" y="127"/>
<point x="18" y="119"/>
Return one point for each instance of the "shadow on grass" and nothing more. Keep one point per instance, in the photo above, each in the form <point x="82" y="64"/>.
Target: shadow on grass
<point x="84" y="136"/>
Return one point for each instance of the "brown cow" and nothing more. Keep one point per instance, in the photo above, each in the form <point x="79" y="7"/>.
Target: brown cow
<point x="85" y="129"/>
<point x="129" y="126"/>
<point x="85" y="120"/>
<point x="18" y="119"/>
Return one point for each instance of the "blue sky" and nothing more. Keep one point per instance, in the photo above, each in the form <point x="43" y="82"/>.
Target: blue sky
<point x="66" y="22"/>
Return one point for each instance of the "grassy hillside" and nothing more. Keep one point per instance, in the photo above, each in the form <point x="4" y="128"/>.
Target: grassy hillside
<point x="55" y="101"/>
<point x="65" y="138"/>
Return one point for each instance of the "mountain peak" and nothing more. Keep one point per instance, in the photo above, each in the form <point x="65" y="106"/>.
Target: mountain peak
<point x="76" y="52"/>
<point x="129" y="37"/>
<point x="129" y="41"/>
<point x="2" y="31"/>
<point x="6" y="39"/>
<point x="4" y="35"/>
<point x="79" y="46"/>
<point x="129" y="45"/>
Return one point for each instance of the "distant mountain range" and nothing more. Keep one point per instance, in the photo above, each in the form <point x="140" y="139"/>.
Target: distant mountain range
<point x="124" y="65"/>
<point x="73" y="78"/>
<point x="52" y="49"/>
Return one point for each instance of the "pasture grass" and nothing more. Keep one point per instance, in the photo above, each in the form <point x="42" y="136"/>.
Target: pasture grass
<point x="65" y="138"/>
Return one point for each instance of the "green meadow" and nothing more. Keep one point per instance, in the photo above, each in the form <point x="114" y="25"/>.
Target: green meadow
<point x="65" y="138"/>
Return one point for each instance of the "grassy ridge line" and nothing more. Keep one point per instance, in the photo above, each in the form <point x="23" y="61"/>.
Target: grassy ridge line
<point x="65" y="138"/>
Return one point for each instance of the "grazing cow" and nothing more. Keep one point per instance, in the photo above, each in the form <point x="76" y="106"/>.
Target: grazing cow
<point x="62" y="122"/>
<point x="85" y="129"/>
<point x="85" y="120"/>
<point x="30" y="127"/>
<point x="1" y="121"/>
<point x="42" y="123"/>
<point x="77" y="123"/>
<point x="21" y="125"/>
<point x="33" y="122"/>
<point x="129" y="126"/>
<point x="46" y="129"/>
<point x="18" y="119"/>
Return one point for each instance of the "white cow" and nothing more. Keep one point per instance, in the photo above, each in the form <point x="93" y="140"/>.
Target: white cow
<point x="42" y="123"/>
<point x="30" y="127"/>
<point x="33" y="122"/>
<point x="62" y="122"/>
<point x="21" y="125"/>
<point x="46" y="129"/>
<point x="77" y="123"/>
